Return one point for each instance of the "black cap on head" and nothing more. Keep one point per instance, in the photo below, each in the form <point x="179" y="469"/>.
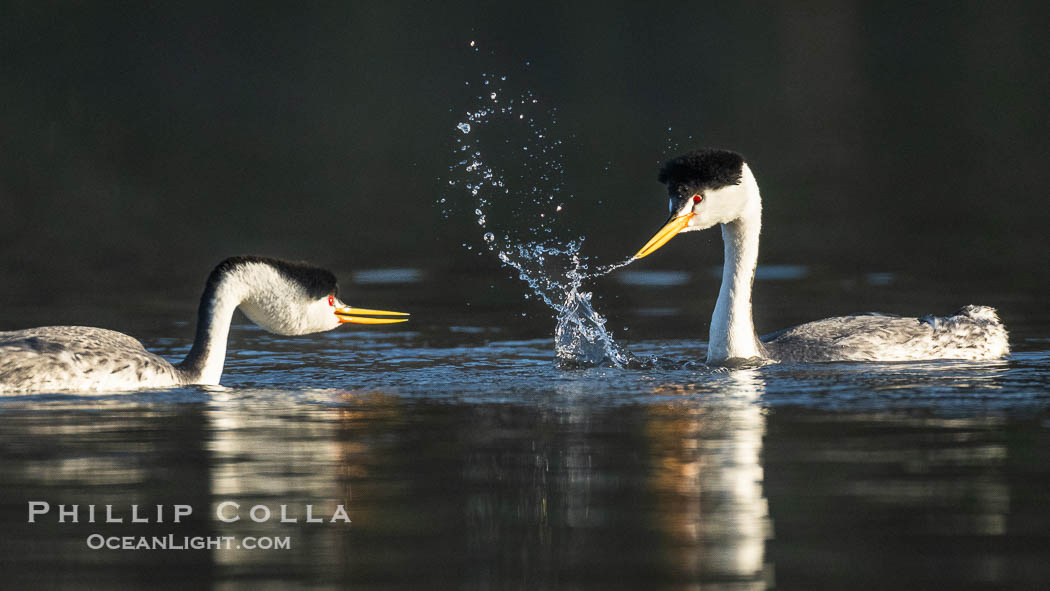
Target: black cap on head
<point x="701" y="169"/>
<point x="317" y="282"/>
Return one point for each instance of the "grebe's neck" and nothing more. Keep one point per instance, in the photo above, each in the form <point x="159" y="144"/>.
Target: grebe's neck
<point x="732" y="328"/>
<point x="222" y="295"/>
<point x="281" y="297"/>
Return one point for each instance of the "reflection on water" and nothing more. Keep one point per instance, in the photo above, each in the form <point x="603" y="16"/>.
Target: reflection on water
<point x="284" y="460"/>
<point x="387" y="276"/>
<point x="653" y="278"/>
<point x="709" y="478"/>
<point x="926" y="498"/>
<point x="793" y="272"/>
<point x="486" y="467"/>
<point x="483" y="493"/>
<point x="770" y="272"/>
<point x="879" y="279"/>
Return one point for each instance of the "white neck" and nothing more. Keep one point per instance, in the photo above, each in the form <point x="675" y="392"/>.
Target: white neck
<point x="732" y="328"/>
<point x="267" y="296"/>
<point x="204" y="363"/>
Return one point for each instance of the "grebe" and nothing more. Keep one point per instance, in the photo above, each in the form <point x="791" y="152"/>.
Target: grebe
<point x="709" y="187"/>
<point x="282" y="297"/>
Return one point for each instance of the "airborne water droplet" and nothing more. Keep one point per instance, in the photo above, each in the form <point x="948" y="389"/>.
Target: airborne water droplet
<point x="554" y="271"/>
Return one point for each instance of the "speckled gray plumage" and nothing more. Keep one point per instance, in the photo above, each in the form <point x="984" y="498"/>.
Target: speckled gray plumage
<point x="282" y="297"/>
<point x="78" y="358"/>
<point x="974" y="332"/>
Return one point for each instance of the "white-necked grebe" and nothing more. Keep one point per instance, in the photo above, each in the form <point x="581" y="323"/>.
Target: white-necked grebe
<point x="709" y="187"/>
<point x="282" y="297"/>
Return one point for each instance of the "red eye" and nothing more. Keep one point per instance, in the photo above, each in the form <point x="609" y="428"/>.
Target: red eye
<point x="697" y="198"/>
<point x="331" y="300"/>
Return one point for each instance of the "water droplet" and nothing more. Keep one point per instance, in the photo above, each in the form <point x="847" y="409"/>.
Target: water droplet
<point x="464" y="127"/>
<point x="552" y="269"/>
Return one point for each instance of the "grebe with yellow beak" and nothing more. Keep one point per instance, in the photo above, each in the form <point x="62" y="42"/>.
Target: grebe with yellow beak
<point x="716" y="187"/>
<point x="282" y="297"/>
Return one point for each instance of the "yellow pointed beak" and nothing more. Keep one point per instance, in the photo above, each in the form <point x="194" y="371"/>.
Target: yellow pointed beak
<point x="353" y="315"/>
<point x="665" y="235"/>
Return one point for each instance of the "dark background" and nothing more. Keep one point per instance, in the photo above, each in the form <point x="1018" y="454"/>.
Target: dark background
<point x="142" y="142"/>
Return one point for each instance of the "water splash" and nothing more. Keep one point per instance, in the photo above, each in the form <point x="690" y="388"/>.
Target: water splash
<point x="581" y="338"/>
<point x="511" y="165"/>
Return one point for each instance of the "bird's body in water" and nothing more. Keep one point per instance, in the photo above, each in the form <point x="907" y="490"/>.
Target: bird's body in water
<point x="282" y="297"/>
<point x="716" y="187"/>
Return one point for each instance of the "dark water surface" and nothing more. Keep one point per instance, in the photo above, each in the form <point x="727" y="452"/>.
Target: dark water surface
<point x="466" y="459"/>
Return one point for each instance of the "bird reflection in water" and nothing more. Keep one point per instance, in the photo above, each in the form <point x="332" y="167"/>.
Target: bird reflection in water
<point x="707" y="479"/>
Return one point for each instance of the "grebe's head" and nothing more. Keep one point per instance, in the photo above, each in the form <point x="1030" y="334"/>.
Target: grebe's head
<point x="705" y="187"/>
<point x="289" y="298"/>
